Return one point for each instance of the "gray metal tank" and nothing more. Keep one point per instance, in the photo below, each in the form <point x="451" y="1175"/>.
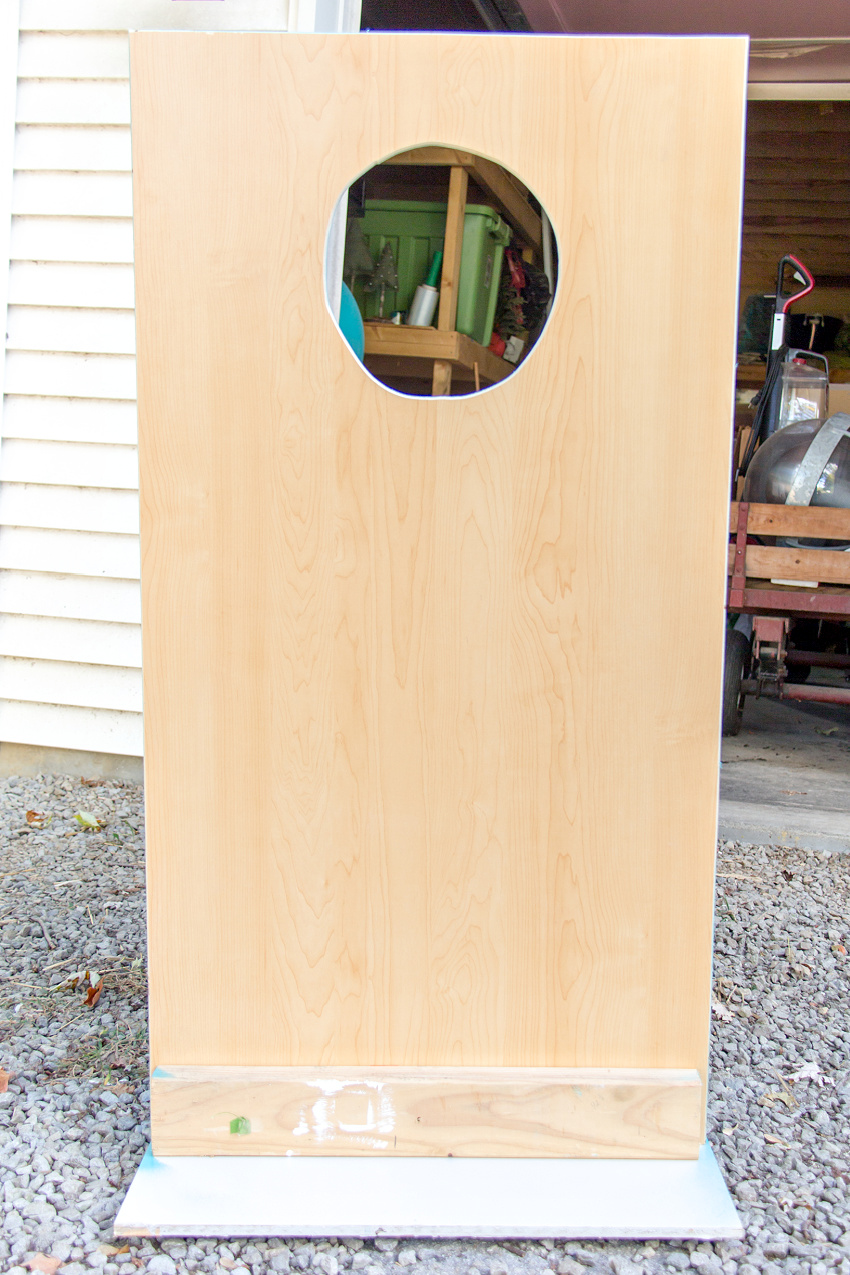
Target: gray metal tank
<point x="776" y="465"/>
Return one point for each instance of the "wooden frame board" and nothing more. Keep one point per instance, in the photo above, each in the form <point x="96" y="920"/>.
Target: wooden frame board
<point x="432" y="686"/>
<point x="409" y="1111"/>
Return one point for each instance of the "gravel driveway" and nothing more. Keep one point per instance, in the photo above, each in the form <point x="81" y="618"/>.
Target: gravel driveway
<point x="73" y="1120"/>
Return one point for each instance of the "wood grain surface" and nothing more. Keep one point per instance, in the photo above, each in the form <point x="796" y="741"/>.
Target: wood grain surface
<point x="432" y="687"/>
<point x="603" y="1114"/>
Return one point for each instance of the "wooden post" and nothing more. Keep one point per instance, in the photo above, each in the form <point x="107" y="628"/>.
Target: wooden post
<point x="447" y="314"/>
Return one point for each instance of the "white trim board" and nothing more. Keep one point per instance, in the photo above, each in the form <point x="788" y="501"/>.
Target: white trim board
<point x="436" y="1197"/>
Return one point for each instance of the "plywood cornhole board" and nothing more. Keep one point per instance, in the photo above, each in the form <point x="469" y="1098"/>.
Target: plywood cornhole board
<point x="432" y="685"/>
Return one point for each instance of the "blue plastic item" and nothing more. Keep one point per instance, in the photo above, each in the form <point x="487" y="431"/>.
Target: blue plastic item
<point x="351" y="322"/>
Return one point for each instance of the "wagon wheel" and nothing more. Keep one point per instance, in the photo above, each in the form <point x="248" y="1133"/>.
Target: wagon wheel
<point x="735" y="665"/>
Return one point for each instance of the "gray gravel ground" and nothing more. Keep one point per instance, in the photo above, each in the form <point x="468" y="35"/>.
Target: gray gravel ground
<point x="73" y="1121"/>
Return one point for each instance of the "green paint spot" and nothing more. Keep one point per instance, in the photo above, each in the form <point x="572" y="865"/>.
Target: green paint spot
<point x="240" y="1125"/>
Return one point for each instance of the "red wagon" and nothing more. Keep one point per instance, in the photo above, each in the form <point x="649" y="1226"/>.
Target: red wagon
<point x="798" y="598"/>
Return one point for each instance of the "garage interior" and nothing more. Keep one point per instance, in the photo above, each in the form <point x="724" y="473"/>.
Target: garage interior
<point x="785" y="777"/>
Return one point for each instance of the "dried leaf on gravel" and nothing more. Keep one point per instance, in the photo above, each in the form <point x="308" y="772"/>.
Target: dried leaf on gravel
<point x="90" y="822"/>
<point x="810" y="1071"/>
<point x="777" y="1142"/>
<point x="40" y="1262"/>
<point x="5" y="1077"/>
<point x="110" y="1250"/>
<point x="78" y="976"/>
<point x="37" y="820"/>
<point x="93" y="994"/>
<point x="721" y="1011"/>
<point x="770" y="1098"/>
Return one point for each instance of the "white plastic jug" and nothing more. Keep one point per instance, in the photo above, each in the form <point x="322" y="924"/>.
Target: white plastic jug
<point x="804" y="395"/>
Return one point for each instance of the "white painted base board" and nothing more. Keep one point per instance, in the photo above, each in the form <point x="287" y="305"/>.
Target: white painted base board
<point x="446" y="1198"/>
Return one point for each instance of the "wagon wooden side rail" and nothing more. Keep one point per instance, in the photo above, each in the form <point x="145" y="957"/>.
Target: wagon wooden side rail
<point x="770" y="579"/>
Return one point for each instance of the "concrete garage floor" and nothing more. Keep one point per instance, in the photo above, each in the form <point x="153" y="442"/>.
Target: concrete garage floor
<point x="785" y="779"/>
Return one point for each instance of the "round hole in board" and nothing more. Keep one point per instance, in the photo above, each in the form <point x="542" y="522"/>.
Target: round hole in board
<point x="440" y="272"/>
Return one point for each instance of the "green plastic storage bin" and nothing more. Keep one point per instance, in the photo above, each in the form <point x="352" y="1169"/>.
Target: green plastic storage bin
<point x="415" y="231"/>
<point x="485" y="237"/>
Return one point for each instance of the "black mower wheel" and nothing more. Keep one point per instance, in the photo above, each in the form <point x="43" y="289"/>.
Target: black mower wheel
<point x="735" y="665"/>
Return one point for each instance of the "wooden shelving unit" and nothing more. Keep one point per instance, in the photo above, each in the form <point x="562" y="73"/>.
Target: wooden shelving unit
<point x="396" y="350"/>
<point x="399" y="351"/>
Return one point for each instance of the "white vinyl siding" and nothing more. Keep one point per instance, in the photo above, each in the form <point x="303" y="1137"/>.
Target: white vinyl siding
<point x="31" y="327"/>
<point x="50" y="283"/>
<point x="93" y="56"/>
<point x="70" y="464"/>
<point x="75" y="420"/>
<point x="58" y="238"/>
<point x="70" y="643"/>
<point x="71" y="597"/>
<point x="79" y="194"/>
<point x="98" y="150"/>
<point x="95" y="730"/>
<point x="74" y="553"/>
<point x="83" y="641"/>
<point x="32" y="372"/>
<point x="65" y="682"/>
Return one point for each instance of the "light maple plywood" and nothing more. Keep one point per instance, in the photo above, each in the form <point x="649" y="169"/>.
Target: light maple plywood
<point x="462" y="1111"/>
<point x="432" y="686"/>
